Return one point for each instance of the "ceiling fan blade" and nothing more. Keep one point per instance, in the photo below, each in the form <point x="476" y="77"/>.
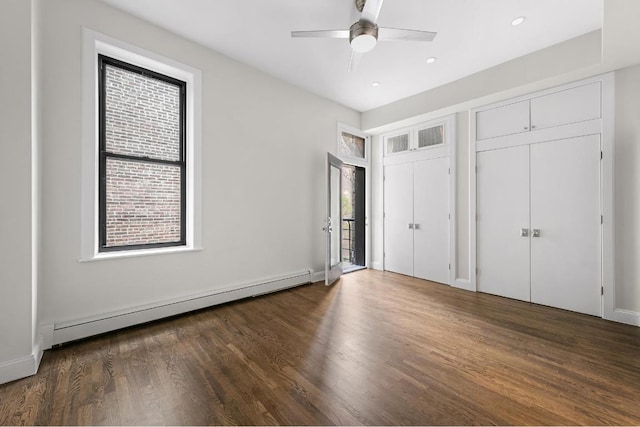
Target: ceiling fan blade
<point x="405" y="35"/>
<point x="371" y="11"/>
<point x="329" y="34"/>
<point x="354" y="60"/>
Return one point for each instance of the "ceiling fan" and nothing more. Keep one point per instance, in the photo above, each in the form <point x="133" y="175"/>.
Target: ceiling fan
<point x="364" y="34"/>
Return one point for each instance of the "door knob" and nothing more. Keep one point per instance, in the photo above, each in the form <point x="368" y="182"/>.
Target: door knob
<point x="535" y="232"/>
<point x="411" y="226"/>
<point x="524" y="232"/>
<point x="416" y="226"/>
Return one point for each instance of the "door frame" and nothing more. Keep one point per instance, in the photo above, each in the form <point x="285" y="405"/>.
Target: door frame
<point x="604" y="126"/>
<point x="366" y="164"/>
<point x="332" y="272"/>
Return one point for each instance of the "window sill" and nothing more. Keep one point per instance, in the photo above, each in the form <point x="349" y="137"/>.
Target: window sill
<point x="137" y="253"/>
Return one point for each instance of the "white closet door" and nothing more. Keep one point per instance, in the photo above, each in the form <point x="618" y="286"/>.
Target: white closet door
<point x="506" y="120"/>
<point x="398" y="215"/>
<point x="565" y="207"/>
<point x="503" y="256"/>
<point x="431" y="218"/>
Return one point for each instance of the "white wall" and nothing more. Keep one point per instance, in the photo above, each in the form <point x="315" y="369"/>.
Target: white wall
<point x="627" y="194"/>
<point x="18" y="286"/>
<point x="264" y="150"/>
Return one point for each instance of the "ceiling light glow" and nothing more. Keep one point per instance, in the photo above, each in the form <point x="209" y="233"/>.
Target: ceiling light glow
<point x="431" y="60"/>
<point x="519" y="20"/>
<point x="375" y="84"/>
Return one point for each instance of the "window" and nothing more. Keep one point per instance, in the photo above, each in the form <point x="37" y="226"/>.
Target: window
<point x="352" y="145"/>
<point x="142" y="157"/>
<point x="431" y="136"/>
<point x="119" y="158"/>
<point x="397" y="144"/>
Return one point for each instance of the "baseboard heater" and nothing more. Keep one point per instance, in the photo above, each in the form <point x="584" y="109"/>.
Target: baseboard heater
<point x="86" y="327"/>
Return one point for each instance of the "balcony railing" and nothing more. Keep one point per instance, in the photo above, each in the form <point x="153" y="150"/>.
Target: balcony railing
<point x="348" y="240"/>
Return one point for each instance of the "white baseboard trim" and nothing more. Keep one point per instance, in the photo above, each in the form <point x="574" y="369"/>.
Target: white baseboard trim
<point x="624" y="316"/>
<point x="317" y="276"/>
<point x="463" y="284"/>
<point x="22" y="367"/>
<point x="105" y="322"/>
<point x="376" y="265"/>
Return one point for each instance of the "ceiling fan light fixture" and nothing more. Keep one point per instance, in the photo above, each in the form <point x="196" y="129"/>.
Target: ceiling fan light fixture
<point x="363" y="38"/>
<point x="519" y="20"/>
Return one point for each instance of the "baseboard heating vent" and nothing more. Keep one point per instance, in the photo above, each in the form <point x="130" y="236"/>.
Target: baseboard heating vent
<point x="94" y="325"/>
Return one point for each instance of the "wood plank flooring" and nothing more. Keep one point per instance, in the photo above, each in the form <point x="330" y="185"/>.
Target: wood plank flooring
<point x="376" y="348"/>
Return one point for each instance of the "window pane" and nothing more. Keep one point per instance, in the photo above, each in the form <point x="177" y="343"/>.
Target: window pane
<point x="398" y="143"/>
<point x="352" y="145"/>
<point x="142" y="115"/>
<point x="431" y="136"/>
<point x="143" y="203"/>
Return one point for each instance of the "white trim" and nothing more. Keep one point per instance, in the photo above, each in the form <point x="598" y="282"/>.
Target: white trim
<point x="139" y="252"/>
<point x="609" y="310"/>
<point x="22" y="367"/>
<point x="317" y="276"/>
<point x="377" y="266"/>
<point x="105" y="322"/>
<point x="473" y="216"/>
<point x="95" y="43"/>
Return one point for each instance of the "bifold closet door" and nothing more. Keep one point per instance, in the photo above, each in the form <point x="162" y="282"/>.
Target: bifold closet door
<point x="431" y="219"/>
<point x="565" y="207"/>
<point x="398" y="216"/>
<point x="503" y="256"/>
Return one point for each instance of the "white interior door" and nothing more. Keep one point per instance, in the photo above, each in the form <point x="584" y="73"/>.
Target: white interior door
<point x="503" y="252"/>
<point x="333" y="227"/>
<point x="398" y="218"/>
<point x="565" y="207"/>
<point x="431" y="219"/>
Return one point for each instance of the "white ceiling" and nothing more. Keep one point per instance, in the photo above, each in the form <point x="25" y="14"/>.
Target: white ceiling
<point x="473" y="35"/>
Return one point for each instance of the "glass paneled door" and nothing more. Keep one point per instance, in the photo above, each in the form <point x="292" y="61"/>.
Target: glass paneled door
<point x="333" y="228"/>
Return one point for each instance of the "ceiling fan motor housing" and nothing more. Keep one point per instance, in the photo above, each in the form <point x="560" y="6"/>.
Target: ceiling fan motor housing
<point x="363" y="36"/>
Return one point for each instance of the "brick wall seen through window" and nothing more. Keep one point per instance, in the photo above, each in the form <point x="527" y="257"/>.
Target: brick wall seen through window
<point x="142" y="153"/>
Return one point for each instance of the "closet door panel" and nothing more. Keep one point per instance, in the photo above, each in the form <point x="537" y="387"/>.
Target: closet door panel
<point x="431" y="216"/>
<point x="398" y="214"/>
<point x="565" y="207"/>
<point x="506" y="120"/>
<point x="568" y="106"/>
<point x="503" y="256"/>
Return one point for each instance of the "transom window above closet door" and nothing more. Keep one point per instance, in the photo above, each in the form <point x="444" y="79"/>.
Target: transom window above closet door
<point x="424" y="136"/>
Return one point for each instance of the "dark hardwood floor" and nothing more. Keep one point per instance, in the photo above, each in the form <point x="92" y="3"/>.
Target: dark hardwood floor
<point x="376" y="348"/>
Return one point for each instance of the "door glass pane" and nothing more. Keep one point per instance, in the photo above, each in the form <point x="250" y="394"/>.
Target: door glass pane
<point x="399" y="143"/>
<point x="335" y="215"/>
<point x="351" y="145"/>
<point x="431" y="136"/>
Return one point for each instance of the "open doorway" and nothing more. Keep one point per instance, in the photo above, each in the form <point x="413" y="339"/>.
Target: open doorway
<point x="353" y="217"/>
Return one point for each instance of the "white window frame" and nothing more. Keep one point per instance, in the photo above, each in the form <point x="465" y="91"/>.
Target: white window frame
<point x="95" y="43"/>
<point x="353" y="160"/>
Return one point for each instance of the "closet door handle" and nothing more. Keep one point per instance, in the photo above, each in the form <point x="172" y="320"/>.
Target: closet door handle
<point x="416" y="226"/>
<point x="524" y="232"/>
<point x="411" y="226"/>
<point x="535" y="232"/>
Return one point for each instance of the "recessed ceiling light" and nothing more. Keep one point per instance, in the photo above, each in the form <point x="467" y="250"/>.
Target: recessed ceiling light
<point x="375" y="84"/>
<point x="519" y="20"/>
<point x="431" y="60"/>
